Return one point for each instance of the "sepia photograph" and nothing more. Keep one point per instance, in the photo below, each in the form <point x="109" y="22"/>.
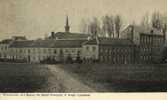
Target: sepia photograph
<point x="83" y="46"/>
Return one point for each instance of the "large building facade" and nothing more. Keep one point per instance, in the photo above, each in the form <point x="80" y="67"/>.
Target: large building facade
<point x="109" y="50"/>
<point x="137" y="45"/>
<point x="148" y="42"/>
<point x="41" y="50"/>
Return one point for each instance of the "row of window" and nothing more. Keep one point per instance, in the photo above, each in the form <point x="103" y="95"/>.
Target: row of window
<point x="3" y="48"/>
<point x="145" y="49"/>
<point x="115" y="50"/>
<point x="145" y="58"/>
<point x="35" y="58"/>
<point x="116" y="59"/>
<point x="50" y="51"/>
<point x="150" y="39"/>
<point x="91" y="48"/>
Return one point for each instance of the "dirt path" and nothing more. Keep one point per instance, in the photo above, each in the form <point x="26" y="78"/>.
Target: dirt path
<point x="62" y="81"/>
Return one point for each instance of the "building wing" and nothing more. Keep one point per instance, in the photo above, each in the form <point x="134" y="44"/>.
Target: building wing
<point x="65" y="35"/>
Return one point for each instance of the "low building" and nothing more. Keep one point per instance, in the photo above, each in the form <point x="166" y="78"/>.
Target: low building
<point x="4" y="48"/>
<point x="40" y="50"/>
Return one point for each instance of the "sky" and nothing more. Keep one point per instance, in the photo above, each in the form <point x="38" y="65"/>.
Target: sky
<point x="37" y="18"/>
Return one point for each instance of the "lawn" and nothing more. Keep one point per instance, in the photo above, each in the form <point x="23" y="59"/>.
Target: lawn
<point x="118" y="78"/>
<point x="23" y="77"/>
<point x="100" y="77"/>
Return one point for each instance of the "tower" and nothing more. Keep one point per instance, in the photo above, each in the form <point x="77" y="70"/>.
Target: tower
<point x="67" y="27"/>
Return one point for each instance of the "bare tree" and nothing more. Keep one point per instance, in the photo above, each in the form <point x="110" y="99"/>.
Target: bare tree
<point x="108" y="25"/>
<point x="84" y="26"/>
<point x="164" y="19"/>
<point x="156" y="20"/>
<point x="118" y="25"/>
<point x="94" y="27"/>
<point x="145" y="22"/>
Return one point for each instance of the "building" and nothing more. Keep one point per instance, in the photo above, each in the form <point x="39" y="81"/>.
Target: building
<point x="147" y="41"/>
<point x="109" y="50"/>
<point x="41" y="50"/>
<point x="137" y="45"/>
<point x="5" y="44"/>
<point x="4" y="48"/>
<point x="150" y="45"/>
<point x="68" y="35"/>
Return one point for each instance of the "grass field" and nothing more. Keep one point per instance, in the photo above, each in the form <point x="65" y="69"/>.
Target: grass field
<point x="100" y="77"/>
<point x="15" y="77"/>
<point x="118" y="78"/>
<point x="22" y="77"/>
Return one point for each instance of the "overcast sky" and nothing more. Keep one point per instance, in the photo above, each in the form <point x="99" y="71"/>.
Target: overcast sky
<point x="35" y="18"/>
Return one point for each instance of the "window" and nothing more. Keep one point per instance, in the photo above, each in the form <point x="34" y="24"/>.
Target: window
<point x="5" y="47"/>
<point x="78" y="51"/>
<point x="106" y="50"/>
<point x="55" y="51"/>
<point x="87" y="47"/>
<point x="20" y="50"/>
<point x="44" y="51"/>
<point x="72" y="51"/>
<point x="33" y="49"/>
<point x="101" y="50"/>
<point x="66" y="51"/>
<point x="94" y="48"/>
<point x="61" y="52"/>
<point x="28" y="50"/>
<point x="39" y="51"/>
<point x="49" y="50"/>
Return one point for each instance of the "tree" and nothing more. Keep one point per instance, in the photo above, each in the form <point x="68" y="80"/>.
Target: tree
<point x="156" y="20"/>
<point x="84" y="26"/>
<point x="145" y="22"/>
<point x="108" y="25"/>
<point x="118" y="25"/>
<point x="94" y="27"/>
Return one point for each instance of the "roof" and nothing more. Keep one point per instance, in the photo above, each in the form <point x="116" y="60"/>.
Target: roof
<point x="109" y="41"/>
<point x="142" y="29"/>
<point x="21" y="44"/>
<point x="152" y="35"/>
<point x="68" y="43"/>
<point x="19" y="38"/>
<point x="69" y="35"/>
<point x="6" y="41"/>
<point x="90" y="42"/>
<point x="114" y="41"/>
<point x="47" y="44"/>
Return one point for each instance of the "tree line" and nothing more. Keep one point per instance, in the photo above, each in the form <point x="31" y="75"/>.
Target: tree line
<point x="111" y="25"/>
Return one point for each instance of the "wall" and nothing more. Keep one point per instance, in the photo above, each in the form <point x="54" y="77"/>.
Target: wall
<point x="89" y="53"/>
